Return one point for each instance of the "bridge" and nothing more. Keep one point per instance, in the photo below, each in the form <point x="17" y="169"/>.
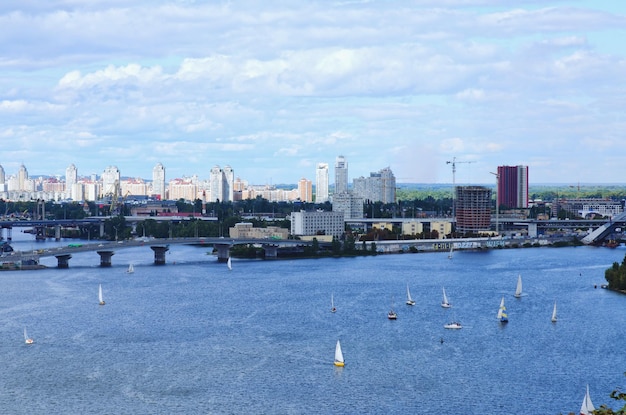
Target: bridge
<point x="605" y="230"/>
<point x="106" y="250"/>
<point x="99" y="221"/>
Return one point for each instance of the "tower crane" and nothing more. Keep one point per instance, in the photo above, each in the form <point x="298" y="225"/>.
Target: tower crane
<point x="454" y="163"/>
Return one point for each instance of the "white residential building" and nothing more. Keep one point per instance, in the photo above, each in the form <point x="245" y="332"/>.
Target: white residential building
<point x="110" y="180"/>
<point x="158" y="182"/>
<point x="222" y="183"/>
<point x="341" y="175"/>
<point x="321" y="183"/>
<point x="317" y="223"/>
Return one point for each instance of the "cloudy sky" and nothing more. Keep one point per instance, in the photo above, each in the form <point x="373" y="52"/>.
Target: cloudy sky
<point x="273" y="88"/>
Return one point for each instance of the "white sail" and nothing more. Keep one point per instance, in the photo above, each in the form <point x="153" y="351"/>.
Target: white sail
<point x="501" y="309"/>
<point x="445" y="303"/>
<point x="451" y="249"/>
<point x="100" y="298"/>
<point x="587" y="407"/>
<point x="409" y="300"/>
<point x="27" y="339"/>
<point x="554" y="313"/>
<point x="518" y="289"/>
<point x="229" y="264"/>
<point x="131" y="269"/>
<point x="338" y="355"/>
<point x="332" y="303"/>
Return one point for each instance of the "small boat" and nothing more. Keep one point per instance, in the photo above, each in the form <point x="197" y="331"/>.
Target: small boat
<point x="409" y="300"/>
<point x="100" y="298"/>
<point x="332" y="304"/>
<point x="587" y="407"/>
<point x="451" y="250"/>
<point x="445" y="303"/>
<point x="502" y="316"/>
<point x="338" y="356"/>
<point x="27" y="339"/>
<point x="518" y="288"/>
<point x="130" y="269"/>
<point x="554" y="313"/>
<point x="229" y="264"/>
<point x="392" y="315"/>
<point x="453" y="325"/>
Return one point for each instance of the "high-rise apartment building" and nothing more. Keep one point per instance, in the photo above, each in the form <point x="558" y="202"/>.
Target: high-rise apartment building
<point x="350" y="204"/>
<point x="221" y="182"/>
<point x="321" y="183"/>
<point x="305" y="190"/>
<point x="158" y="182"/>
<point x="341" y="175"/>
<point x="71" y="176"/>
<point x="473" y="209"/>
<point x="185" y="188"/>
<point x="22" y="178"/>
<point x="3" y="186"/>
<point x="513" y="187"/>
<point x="110" y="181"/>
<point x="378" y="187"/>
<point x="71" y="179"/>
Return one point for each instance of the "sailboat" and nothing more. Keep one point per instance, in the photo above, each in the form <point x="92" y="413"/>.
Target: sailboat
<point x="392" y="315"/>
<point x="518" y="289"/>
<point x="338" y="356"/>
<point x="554" y="313"/>
<point x="332" y="304"/>
<point x="451" y="249"/>
<point x="27" y="339"/>
<point x="502" y="316"/>
<point x="100" y="299"/>
<point x="587" y="407"/>
<point x="130" y="269"/>
<point x="444" y="302"/>
<point x="409" y="300"/>
<point x="229" y="264"/>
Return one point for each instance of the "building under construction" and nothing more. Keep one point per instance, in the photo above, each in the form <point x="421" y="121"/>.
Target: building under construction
<point x="473" y="209"/>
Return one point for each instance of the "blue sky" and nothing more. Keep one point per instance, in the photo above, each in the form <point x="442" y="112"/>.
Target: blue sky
<point x="273" y="88"/>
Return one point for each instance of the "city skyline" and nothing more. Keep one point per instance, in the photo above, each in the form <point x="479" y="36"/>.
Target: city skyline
<point x="273" y="89"/>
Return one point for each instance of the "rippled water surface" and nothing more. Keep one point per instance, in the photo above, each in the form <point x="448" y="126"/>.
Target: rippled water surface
<point x="192" y="337"/>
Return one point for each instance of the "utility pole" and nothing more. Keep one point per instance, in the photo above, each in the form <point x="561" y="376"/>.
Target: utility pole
<point x="454" y="162"/>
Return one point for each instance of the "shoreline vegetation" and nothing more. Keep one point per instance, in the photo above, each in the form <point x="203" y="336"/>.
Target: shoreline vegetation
<point x="616" y="277"/>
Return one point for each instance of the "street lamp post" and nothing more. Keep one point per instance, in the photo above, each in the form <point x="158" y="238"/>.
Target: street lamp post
<point x="497" y="204"/>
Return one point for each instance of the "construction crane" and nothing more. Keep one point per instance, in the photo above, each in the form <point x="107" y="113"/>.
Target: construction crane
<point x="454" y="163"/>
<point x="116" y="202"/>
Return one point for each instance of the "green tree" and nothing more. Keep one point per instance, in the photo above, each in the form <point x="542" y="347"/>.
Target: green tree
<point x="616" y="275"/>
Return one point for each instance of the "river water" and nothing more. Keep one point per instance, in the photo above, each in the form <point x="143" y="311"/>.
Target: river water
<point x="192" y="337"/>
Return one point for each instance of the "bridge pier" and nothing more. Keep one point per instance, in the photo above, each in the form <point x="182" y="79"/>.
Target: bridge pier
<point x="40" y="233"/>
<point x="271" y="251"/>
<point x="159" y="254"/>
<point x="57" y="233"/>
<point x="63" y="261"/>
<point x="105" y="258"/>
<point x="223" y="252"/>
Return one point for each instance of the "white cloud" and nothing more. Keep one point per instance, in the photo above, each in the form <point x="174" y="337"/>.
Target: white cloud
<point x="282" y="86"/>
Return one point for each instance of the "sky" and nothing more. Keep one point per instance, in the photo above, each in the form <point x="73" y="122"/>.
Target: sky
<point x="274" y="88"/>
